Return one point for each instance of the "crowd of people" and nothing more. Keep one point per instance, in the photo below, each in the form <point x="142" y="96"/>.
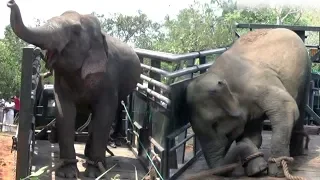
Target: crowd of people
<point x="10" y="109"/>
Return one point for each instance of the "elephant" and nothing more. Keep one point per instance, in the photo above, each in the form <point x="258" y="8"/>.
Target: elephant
<point x="92" y="71"/>
<point x="265" y="74"/>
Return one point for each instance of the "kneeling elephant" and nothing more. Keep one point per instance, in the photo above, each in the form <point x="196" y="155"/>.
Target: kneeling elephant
<point x="264" y="75"/>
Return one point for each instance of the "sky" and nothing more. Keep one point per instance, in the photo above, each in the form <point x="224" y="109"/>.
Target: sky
<point x="293" y="3"/>
<point x="45" y="9"/>
<point x="155" y="9"/>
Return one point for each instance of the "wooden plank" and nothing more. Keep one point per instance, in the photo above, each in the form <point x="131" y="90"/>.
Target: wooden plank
<point x="47" y="154"/>
<point x="306" y="166"/>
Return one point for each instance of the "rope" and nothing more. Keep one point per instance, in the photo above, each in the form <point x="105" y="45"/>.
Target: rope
<point x="80" y="129"/>
<point x="252" y="156"/>
<point x="148" y="156"/>
<point x="282" y="161"/>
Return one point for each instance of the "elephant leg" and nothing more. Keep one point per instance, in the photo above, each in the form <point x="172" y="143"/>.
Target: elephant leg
<point x="216" y="147"/>
<point x="118" y="122"/>
<point x="296" y="142"/>
<point x="65" y="120"/>
<point x="118" y="125"/>
<point x="282" y="110"/>
<point x="253" y="161"/>
<point x="88" y="145"/>
<point x="103" y="116"/>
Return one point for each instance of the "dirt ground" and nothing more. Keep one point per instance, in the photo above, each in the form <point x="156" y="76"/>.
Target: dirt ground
<point x="7" y="161"/>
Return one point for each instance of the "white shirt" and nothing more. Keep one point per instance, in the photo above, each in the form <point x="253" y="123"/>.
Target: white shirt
<point x="9" y="105"/>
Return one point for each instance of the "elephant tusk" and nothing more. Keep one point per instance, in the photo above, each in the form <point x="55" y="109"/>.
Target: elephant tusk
<point x="215" y="171"/>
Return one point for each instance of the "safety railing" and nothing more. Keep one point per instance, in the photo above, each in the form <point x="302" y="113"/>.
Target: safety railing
<point x="157" y="139"/>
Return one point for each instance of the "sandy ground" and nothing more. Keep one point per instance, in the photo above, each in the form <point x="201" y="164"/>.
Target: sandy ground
<point x="7" y="161"/>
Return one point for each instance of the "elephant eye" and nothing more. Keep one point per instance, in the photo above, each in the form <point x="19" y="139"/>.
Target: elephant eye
<point x="212" y="92"/>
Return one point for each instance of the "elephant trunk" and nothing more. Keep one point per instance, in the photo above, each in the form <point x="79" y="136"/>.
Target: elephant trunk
<point x="213" y="150"/>
<point x="45" y="37"/>
<point x="218" y="154"/>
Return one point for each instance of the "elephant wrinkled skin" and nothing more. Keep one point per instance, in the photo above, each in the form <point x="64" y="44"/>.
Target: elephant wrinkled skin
<point x="92" y="71"/>
<point x="264" y="75"/>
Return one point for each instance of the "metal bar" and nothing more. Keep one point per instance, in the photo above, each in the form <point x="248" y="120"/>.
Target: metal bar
<point x="186" y="166"/>
<point x="155" y="82"/>
<point x="162" y="106"/>
<point x="163" y="163"/>
<point x="153" y="93"/>
<point x="177" y="57"/>
<point x="9" y="125"/>
<point x="180" y="72"/>
<point x="196" y="145"/>
<point x="311" y="95"/>
<point x="156" y="70"/>
<point x="181" y="143"/>
<point x="157" y="64"/>
<point x="202" y="60"/>
<point x="179" y="131"/>
<point x="313" y="46"/>
<point x="156" y="155"/>
<point x="25" y="113"/>
<point x="313" y="114"/>
<point x="137" y="125"/>
<point x="156" y="144"/>
<point x="189" y="70"/>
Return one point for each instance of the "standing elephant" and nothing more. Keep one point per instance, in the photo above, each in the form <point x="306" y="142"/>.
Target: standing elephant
<point x="265" y="74"/>
<point x="92" y="70"/>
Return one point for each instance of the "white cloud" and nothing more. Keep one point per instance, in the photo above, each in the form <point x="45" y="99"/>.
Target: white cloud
<point x="45" y="9"/>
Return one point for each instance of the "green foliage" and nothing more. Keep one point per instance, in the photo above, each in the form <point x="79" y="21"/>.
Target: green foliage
<point x="10" y="63"/>
<point x="138" y="29"/>
<point x="201" y="26"/>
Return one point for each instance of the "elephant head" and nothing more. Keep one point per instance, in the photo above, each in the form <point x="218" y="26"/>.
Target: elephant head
<point x="215" y="116"/>
<point x="69" y="38"/>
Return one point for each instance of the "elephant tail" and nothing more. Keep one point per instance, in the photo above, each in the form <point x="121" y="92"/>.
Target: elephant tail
<point x="180" y="109"/>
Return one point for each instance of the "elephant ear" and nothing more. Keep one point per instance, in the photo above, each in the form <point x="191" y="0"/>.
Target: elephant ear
<point x="97" y="58"/>
<point x="228" y="101"/>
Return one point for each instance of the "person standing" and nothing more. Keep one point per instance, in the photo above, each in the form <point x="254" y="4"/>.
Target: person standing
<point x="2" y="114"/>
<point x="9" y="116"/>
<point x="16" y="101"/>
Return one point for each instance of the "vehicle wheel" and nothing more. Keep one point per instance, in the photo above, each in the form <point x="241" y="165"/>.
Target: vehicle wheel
<point x="31" y="146"/>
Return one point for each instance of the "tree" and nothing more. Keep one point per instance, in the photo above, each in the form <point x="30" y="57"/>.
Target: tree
<point x="10" y="63"/>
<point x="138" y="29"/>
<point x="192" y="30"/>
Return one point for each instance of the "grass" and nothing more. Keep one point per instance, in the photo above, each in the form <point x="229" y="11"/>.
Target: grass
<point x="45" y="170"/>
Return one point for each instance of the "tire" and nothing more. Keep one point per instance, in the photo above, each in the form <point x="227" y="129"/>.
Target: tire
<point x="32" y="139"/>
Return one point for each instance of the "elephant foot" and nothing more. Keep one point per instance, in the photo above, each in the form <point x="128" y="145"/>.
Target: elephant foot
<point x="68" y="171"/>
<point x="94" y="170"/>
<point x="275" y="171"/>
<point x="256" y="166"/>
<point x="275" y="168"/>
